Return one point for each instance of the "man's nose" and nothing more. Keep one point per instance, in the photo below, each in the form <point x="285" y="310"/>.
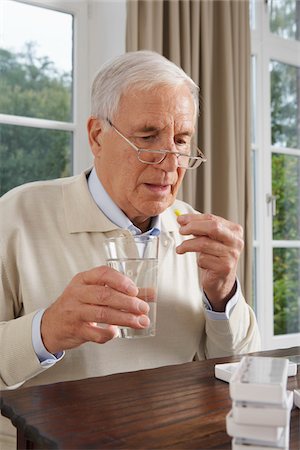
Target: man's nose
<point x="169" y="163"/>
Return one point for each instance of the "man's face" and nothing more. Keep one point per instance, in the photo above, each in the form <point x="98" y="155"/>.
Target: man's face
<point x="155" y="119"/>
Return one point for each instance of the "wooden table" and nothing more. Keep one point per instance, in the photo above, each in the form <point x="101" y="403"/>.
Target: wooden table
<point x="179" y="407"/>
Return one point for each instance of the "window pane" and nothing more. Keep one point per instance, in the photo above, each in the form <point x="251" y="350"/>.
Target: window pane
<point x="286" y="186"/>
<point x="35" y="64"/>
<point x="29" y="154"/>
<point x="254" y="280"/>
<point x="254" y="191"/>
<point x="285" y="18"/>
<point x="286" y="277"/>
<point x="253" y="100"/>
<point x="252" y="13"/>
<point x="285" y="105"/>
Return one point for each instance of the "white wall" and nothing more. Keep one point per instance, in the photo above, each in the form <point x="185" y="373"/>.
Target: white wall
<point x="103" y="38"/>
<point x="106" y="32"/>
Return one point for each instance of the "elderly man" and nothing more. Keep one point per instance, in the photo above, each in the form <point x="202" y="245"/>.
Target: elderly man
<point x="55" y="285"/>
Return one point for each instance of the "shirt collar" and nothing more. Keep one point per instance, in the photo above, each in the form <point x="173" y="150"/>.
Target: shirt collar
<point x="113" y="212"/>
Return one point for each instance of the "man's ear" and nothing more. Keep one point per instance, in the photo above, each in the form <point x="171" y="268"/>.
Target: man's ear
<point x="95" y="129"/>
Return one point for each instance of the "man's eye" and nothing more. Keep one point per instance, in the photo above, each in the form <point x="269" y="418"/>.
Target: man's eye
<point x="182" y="142"/>
<point x="183" y="146"/>
<point x="148" y="138"/>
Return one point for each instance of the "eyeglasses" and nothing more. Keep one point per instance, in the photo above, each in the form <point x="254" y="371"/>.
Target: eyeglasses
<point x="157" y="156"/>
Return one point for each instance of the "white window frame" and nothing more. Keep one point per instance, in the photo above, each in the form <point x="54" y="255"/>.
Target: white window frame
<point x="265" y="47"/>
<point x="81" y="153"/>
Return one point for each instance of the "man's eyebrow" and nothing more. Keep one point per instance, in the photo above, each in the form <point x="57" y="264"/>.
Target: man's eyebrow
<point x="186" y="133"/>
<point x="147" y="129"/>
<point x="156" y="129"/>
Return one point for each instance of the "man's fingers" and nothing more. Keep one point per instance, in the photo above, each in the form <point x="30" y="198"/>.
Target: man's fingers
<point x="106" y="296"/>
<point x="212" y="226"/>
<point x="221" y="267"/>
<point x="104" y="314"/>
<point x="218" y="244"/>
<point x="93" y="333"/>
<point x="207" y="246"/>
<point x="148" y="294"/>
<point x="105" y="275"/>
<point x="202" y="244"/>
<point x="100" y="295"/>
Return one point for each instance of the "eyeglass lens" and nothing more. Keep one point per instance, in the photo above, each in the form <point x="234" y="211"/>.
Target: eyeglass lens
<point x="152" y="157"/>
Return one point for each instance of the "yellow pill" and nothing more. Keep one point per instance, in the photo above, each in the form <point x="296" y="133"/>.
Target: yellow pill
<point x="177" y="212"/>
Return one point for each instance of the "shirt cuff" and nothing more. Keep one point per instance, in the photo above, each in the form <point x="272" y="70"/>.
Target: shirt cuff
<point x="214" y="315"/>
<point x="46" y="359"/>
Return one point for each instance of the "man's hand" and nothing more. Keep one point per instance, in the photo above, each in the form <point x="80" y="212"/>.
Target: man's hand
<point x="100" y="295"/>
<point x="218" y="243"/>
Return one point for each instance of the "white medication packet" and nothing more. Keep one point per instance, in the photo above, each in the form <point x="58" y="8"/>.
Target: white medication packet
<point x="250" y="444"/>
<point x="250" y="413"/>
<point x="254" y="444"/>
<point x="260" y="379"/>
<point x="225" y="371"/>
<point x="268" y="434"/>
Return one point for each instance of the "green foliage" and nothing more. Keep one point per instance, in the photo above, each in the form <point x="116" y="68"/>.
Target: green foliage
<point x="31" y="87"/>
<point x="282" y="18"/>
<point x="284" y="105"/>
<point x="286" y="269"/>
<point x="285" y="185"/>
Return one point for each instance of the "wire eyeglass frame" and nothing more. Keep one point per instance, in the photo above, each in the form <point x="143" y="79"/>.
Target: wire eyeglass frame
<point x="193" y="161"/>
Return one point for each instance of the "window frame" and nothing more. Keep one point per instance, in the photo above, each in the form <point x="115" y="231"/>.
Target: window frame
<point x="265" y="47"/>
<point x="81" y="155"/>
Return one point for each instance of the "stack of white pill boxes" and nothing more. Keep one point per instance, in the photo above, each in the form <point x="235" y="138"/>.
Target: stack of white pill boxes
<point x="261" y="405"/>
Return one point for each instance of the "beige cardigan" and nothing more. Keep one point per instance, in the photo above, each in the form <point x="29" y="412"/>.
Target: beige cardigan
<point x="52" y="230"/>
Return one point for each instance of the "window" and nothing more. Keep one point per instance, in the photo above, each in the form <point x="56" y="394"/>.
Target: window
<point x="43" y="80"/>
<point x="276" y="169"/>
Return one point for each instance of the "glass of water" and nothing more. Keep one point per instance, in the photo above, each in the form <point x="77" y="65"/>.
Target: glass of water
<point x="137" y="258"/>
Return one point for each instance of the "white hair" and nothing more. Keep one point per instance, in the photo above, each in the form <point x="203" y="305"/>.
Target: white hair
<point x="142" y="70"/>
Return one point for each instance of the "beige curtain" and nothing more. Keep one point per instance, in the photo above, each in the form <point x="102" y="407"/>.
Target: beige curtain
<point x="210" y="40"/>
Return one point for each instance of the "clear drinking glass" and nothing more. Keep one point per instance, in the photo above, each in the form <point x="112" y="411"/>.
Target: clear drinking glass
<point x="137" y="258"/>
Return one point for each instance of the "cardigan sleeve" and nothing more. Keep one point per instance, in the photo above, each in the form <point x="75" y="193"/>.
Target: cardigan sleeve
<point x="237" y="335"/>
<point x="18" y="359"/>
